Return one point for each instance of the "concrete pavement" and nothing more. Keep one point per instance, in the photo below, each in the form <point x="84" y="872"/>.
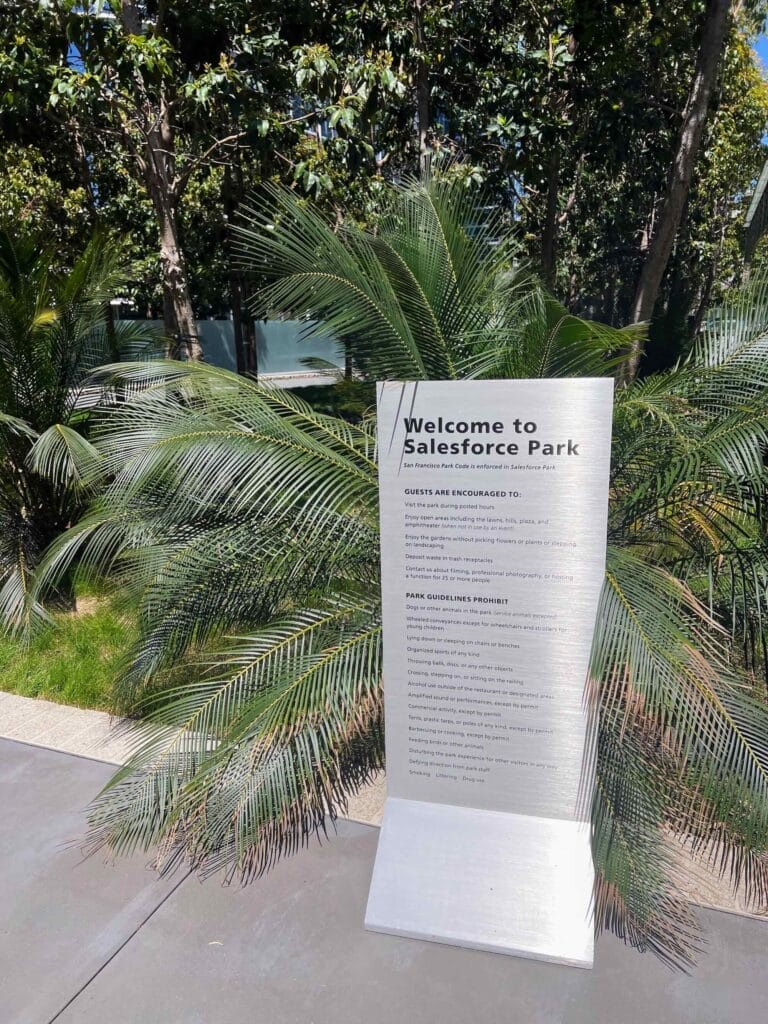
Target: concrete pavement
<point x="84" y="942"/>
<point x="103" y="737"/>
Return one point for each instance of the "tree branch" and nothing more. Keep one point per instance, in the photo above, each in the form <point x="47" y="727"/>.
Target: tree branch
<point x="182" y="178"/>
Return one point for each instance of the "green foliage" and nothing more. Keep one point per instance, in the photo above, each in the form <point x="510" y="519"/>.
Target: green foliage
<point x="350" y="399"/>
<point x="39" y="196"/>
<point x="709" y="256"/>
<point x="53" y="332"/>
<point x="568" y="112"/>
<point x="73" y="660"/>
<point x="437" y="291"/>
<point x="245" y="524"/>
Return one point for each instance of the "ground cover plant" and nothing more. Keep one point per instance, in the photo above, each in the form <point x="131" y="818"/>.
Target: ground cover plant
<point x="54" y="330"/>
<point x="75" y="658"/>
<point x="244" y="523"/>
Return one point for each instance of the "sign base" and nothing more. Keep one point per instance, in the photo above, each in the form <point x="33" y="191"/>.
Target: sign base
<point x="506" y="883"/>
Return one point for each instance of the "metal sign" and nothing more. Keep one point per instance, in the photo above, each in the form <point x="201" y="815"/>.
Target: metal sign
<point x="493" y="533"/>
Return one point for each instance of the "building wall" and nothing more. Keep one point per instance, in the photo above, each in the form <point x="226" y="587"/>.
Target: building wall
<point x="282" y="347"/>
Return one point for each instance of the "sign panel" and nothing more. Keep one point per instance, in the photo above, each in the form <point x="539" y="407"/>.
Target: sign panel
<point x="493" y="532"/>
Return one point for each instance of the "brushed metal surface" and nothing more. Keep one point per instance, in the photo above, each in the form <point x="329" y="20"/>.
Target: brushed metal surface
<point x="506" y="883"/>
<point x="489" y="604"/>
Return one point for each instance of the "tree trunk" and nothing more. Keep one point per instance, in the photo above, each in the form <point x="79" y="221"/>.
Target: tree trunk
<point x="422" y="87"/>
<point x="552" y="217"/>
<point x="130" y="15"/>
<point x="177" y="303"/>
<point x="694" y="119"/>
<point x="249" y="342"/>
<point x="239" y="311"/>
<point x="179" y="317"/>
<point x="157" y="164"/>
<point x="180" y="326"/>
<point x="243" y="323"/>
<point x="549" y="234"/>
<point x="111" y="332"/>
<point x="705" y="297"/>
<point x="238" y="327"/>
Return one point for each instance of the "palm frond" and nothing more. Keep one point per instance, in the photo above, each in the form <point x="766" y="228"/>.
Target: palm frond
<point x="65" y="457"/>
<point x="289" y="724"/>
<point x="244" y="523"/>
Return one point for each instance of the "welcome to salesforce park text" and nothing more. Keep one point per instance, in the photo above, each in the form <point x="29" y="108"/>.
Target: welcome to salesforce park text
<point x="469" y="443"/>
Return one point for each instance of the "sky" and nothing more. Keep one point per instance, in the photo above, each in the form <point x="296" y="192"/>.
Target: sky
<point x="762" y="50"/>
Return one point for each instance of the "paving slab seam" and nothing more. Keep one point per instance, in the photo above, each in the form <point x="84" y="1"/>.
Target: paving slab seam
<point x="72" y="737"/>
<point x="730" y="910"/>
<point x="58" y="750"/>
<point x="91" y="735"/>
<point x="119" y="949"/>
<point x="271" y="953"/>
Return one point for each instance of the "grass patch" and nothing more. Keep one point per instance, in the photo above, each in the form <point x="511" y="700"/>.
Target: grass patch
<point x="74" y="661"/>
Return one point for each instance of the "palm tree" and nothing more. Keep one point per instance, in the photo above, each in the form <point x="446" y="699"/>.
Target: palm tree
<point x="53" y="332"/>
<point x="246" y="525"/>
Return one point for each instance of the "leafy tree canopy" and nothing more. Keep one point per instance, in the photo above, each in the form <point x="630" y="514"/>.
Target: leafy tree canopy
<point x="569" y="112"/>
<point x="245" y="523"/>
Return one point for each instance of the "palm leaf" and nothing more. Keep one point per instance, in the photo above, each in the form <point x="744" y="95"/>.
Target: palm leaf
<point x="245" y="525"/>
